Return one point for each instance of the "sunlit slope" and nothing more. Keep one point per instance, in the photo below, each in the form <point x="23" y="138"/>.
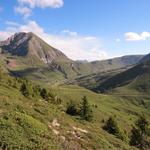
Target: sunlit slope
<point x="33" y="123"/>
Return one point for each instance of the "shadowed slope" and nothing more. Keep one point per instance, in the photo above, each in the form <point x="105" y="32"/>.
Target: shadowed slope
<point x="137" y="78"/>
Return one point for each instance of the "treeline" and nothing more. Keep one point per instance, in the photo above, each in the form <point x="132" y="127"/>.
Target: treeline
<point x="27" y="88"/>
<point x="30" y="90"/>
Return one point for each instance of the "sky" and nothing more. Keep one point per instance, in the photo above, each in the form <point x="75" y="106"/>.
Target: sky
<point x="82" y="29"/>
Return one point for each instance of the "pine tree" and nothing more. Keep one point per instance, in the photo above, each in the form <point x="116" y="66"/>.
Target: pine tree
<point x="72" y="109"/>
<point x="111" y="126"/>
<point x="86" y="112"/>
<point x="139" y="133"/>
<point x="43" y="93"/>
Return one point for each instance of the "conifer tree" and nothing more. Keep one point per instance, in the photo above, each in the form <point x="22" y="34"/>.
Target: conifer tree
<point x="139" y="133"/>
<point x="86" y="112"/>
<point x="72" y="109"/>
<point x="112" y="127"/>
<point x="43" y="93"/>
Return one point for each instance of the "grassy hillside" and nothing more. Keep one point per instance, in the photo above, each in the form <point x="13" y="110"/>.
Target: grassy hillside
<point x="94" y="80"/>
<point x="134" y="79"/>
<point x="59" y="71"/>
<point x="32" y="122"/>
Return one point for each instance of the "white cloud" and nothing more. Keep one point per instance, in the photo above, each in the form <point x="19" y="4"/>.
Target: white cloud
<point x="25" y="11"/>
<point x="132" y="36"/>
<point x="25" y="6"/>
<point x="32" y="26"/>
<point x="76" y="47"/>
<point x="42" y="3"/>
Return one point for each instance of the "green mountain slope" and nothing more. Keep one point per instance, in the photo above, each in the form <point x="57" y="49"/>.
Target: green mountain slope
<point x="136" y="78"/>
<point x="35" y="123"/>
<point x="94" y="80"/>
<point x="105" y="70"/>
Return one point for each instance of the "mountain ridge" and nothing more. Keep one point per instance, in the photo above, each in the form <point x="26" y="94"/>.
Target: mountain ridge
<point x="135" y="78"/>
<point x="25" y="54"/>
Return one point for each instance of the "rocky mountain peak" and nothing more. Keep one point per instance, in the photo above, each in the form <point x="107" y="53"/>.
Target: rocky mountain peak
<point x="29" y="45"/>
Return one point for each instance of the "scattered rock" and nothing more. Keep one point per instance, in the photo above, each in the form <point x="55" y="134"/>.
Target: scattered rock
<point x="63" y="138"/>
<point x="1" y="111"/>
<point x="55" y="123"/>
<point x="79" y="129"/>
<point x="56" y="132"/>
<point x="74" y="133"/>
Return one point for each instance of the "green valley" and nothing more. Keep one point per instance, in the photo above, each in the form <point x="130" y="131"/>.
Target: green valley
<point x="56" y="103"/>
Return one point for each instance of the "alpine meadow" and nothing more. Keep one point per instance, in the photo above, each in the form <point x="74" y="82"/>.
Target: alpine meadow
<point x="74" y="75"/>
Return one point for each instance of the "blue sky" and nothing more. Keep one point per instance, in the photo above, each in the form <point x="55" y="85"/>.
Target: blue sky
<point x="82" y="29"/>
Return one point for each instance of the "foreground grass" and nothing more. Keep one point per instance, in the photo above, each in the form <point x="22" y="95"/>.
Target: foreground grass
<point x="33" y="123"/>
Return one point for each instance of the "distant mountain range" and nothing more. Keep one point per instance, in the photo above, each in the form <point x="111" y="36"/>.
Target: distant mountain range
<point x="27" y="55"/>
<point x="136" y="78"/>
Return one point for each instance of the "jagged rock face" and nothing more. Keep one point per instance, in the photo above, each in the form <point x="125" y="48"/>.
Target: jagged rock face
<point x="16" y="44"/>
<point x="29" y="45"/>
<point x="19" y="37"/>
